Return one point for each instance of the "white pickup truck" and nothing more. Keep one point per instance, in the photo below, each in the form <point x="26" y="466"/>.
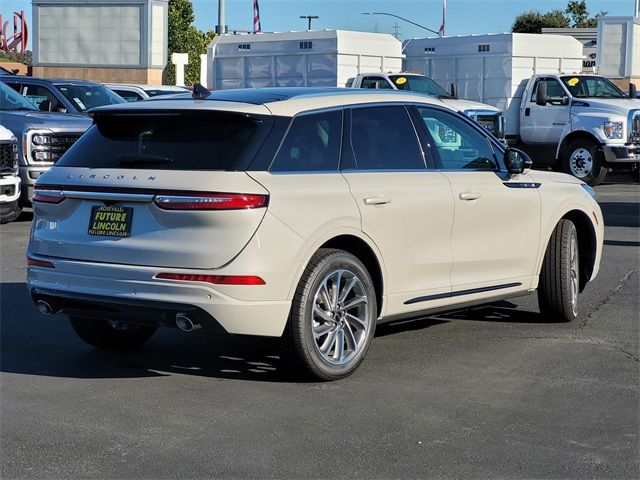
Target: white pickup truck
<point x="9" y="179"/>
<point x="581" y="124"/>
<point x="490" y="117"/>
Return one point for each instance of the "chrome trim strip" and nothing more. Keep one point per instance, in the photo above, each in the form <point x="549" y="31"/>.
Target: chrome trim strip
<point x="119" y="197"/>
<point x="461" y="292"/>
<point x="521" y="185"/>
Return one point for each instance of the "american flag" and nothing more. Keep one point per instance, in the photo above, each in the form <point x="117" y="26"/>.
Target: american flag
<point x="256" y="17"/>
<point x="444" y="17"/>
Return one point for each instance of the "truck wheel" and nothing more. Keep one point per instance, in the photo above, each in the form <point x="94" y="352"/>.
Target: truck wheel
<point x="559" y="283"/>
<point x="10" y="212"/>
<point x="333" y="317"/>
<point x="111" y="335"/>
<point x="584" y="160"/>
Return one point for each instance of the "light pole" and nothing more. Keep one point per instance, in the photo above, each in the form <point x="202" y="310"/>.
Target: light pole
<point x="401" y="18"/>
<point x="309" y="17"/>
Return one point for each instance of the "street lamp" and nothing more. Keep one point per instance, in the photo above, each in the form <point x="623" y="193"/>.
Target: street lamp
<point x="401" y="18"/>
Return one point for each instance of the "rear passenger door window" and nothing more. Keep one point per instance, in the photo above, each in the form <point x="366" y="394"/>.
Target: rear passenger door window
<point x="42" y="98"/>
<point x="457" y="143"/>
<point x="311" y="144"/>
<point x="383" y="138"/>
<point x="375" y="82"/>
<point x="129" y="96"/>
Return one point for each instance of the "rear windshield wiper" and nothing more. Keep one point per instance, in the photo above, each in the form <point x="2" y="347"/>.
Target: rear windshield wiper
<point x="126" y="159"/>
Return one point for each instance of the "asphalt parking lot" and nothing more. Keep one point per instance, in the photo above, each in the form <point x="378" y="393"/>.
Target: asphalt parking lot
<point x="485" y="393"/>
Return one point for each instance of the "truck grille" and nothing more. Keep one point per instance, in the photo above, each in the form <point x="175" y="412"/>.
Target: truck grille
<point x="51" y="150"/>
<point x="8" y="157"/>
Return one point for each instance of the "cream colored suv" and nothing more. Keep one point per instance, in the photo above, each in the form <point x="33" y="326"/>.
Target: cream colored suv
<point x="311" y="214"/>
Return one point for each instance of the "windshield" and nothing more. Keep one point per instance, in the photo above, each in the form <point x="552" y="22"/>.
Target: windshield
<point x="11" y="101"/>
<point x="85" y="97"/>
<point x="591" y="87"/>
<point x="419" y="84"/>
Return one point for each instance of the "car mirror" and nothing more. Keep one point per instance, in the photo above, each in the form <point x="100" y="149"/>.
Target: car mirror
<point x="516" y="161"/>
<point x="541" y="94"/>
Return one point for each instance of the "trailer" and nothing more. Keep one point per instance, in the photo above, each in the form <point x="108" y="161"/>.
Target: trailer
<point x="493" y="68"/>
<point x="288" y="59"/>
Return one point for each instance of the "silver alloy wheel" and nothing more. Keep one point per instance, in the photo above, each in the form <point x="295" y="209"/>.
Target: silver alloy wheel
<point x="574" y="267"/>
<point x="341" y="317"/>
<point x="581" y="162"/>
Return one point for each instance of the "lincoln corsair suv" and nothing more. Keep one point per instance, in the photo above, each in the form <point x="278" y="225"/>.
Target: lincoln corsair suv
<point x="301" y="213"/>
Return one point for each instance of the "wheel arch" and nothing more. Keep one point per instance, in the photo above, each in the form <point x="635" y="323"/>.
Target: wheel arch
<point x="564" y="144"/>
<point x="365" y="253"/>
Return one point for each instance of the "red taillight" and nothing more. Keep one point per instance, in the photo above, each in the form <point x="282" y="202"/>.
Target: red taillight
<point x="211" y="201"/>
<point x="32" y="262"/>
<point x="47" y="195"/>
<point x="215" y="279"/>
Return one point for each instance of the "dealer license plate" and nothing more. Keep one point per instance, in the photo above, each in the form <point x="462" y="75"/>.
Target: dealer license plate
<point x="111" y="221"/>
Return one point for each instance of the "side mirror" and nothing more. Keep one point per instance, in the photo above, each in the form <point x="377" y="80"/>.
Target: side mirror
<point x="453" y="90"/>
<point x="541" y="94"/>
<point x="516" y="161"/>
<point x="633" y="91"/>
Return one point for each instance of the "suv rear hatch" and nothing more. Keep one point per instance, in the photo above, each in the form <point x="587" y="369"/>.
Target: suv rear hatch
<point x="156" y="188"/>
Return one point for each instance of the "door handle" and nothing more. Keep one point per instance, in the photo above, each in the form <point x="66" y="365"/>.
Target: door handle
<point x="376" y="200"/>
<point x="469" y="195"/>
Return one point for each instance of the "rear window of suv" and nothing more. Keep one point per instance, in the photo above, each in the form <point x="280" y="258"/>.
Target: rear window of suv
<point x="168" y="140"/>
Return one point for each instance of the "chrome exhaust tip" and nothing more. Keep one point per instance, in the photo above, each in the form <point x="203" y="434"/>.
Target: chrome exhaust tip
<point x="44" y="307"/>
<point x="184" y="323"/>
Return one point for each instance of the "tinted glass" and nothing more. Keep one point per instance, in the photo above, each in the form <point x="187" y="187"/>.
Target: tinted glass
<point x="375" y="82"/>
<point x="383" y="138"/>
<point x="84" y="97"/>
<point x="419" y="84"/>
<point x="312" y="144"/>
<point x="129" y="96"/>
<point x="164" y="141"/>
<point x="42" y="98"/>
<point x="459" y="145"/>
<point x="10" y="100"/>
<point x="555" y="92"/>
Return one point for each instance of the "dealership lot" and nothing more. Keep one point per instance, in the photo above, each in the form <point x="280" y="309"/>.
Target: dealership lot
<point x="490" y="392"/>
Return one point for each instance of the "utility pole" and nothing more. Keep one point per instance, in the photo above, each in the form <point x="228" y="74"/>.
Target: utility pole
<point x="309" y="18"/>
<point x="396" y="30"/>
<point x="220" y="28"/>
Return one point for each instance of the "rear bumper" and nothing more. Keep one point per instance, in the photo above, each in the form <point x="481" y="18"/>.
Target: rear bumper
<point x="132" y="294"/>
<point x="622" y="153"/>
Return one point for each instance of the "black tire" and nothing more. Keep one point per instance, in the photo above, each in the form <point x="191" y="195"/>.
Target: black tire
<point x="558" y="287"/>
<point x="10" y="212"/>
<point x="102" y="334"/>
<point x="302" y="350"/>
<point x="576" y="157"/>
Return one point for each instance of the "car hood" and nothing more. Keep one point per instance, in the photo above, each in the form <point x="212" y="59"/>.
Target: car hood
<point x="466" y="105"/>
<point x="556" y="177"/>
<point x="36" y="119"/>
<point x="5" y="134"/>
<point x="619" y="106"/>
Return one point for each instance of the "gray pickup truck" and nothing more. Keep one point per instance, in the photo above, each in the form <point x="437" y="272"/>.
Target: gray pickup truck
<point x="43" y="136"/>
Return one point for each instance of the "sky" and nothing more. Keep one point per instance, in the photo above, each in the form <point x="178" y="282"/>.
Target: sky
<point x="463" y="16"/>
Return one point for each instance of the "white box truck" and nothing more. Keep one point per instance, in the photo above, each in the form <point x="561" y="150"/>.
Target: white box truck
<point x="299" y="59"/>
<point x="581" y="124"/>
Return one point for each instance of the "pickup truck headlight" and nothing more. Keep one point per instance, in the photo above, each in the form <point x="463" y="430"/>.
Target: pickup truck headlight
<point x="613" y="130"/>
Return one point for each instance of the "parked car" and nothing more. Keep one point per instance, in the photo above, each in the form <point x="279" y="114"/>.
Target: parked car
<point x="9" y="179"/>
<point x="490" y="117"/>
<point x="61" y="94"/>
<point x="307" y="213"/>
<point x="135" y="93"/>
<point x="42" y="136"/>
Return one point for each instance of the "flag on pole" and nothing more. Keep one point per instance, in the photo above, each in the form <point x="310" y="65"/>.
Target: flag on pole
<point x="256" y="17"/>
<point x="444" y="17"/>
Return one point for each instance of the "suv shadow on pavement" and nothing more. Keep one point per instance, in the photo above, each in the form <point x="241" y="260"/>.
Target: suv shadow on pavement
<point x="33" y="344"/>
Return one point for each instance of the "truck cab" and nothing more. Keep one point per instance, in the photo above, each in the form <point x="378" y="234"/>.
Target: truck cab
<point x="585" y="122"/>
<point x="491" y="118"/>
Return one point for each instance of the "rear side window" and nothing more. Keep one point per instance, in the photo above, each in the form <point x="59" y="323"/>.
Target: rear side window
<point x="129" y="96"/>
<point x="168" y="141"/>
<point x="383" y="138"/>
<point x="312" y="144"/>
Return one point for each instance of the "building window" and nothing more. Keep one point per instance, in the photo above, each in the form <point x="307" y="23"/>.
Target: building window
<point x="244" y="46"/>
<point x="306" y="45"/>
<point x="429" y="49"/>
<point x="483" y="48"/>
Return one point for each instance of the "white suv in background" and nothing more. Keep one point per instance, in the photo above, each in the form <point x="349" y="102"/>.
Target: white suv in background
<point x="310" y="214"/>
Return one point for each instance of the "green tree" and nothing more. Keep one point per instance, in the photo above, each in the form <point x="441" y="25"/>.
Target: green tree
<point x="579" y="15"/>
<point x="184" y="37"/>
